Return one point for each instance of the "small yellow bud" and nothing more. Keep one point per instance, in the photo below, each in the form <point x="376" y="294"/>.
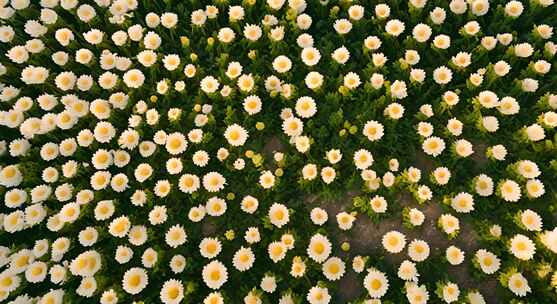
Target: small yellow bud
<point x="185" y="41"/>
<point x="257" y="159"/>
<point x="403" y="64"/>
<point x="343" y="90"/>
<point x="260" y="125"/>
<point x="345" y="246"/>
<point x="342" y="132"/>
<point x="229" y="234"/>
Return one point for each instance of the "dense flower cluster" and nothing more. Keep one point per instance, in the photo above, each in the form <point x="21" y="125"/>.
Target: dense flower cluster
<point x="278" y="151"/>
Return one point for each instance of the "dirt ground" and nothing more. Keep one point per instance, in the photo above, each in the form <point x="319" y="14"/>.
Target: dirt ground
<point x="365" y="239"/>
<point x="365" y="236"/>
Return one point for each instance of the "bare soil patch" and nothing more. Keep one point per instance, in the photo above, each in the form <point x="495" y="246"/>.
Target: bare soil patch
<point x="365" y="239"/>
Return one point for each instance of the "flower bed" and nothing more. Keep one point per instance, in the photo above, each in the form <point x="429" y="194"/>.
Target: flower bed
<point x="277" y="151"/>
